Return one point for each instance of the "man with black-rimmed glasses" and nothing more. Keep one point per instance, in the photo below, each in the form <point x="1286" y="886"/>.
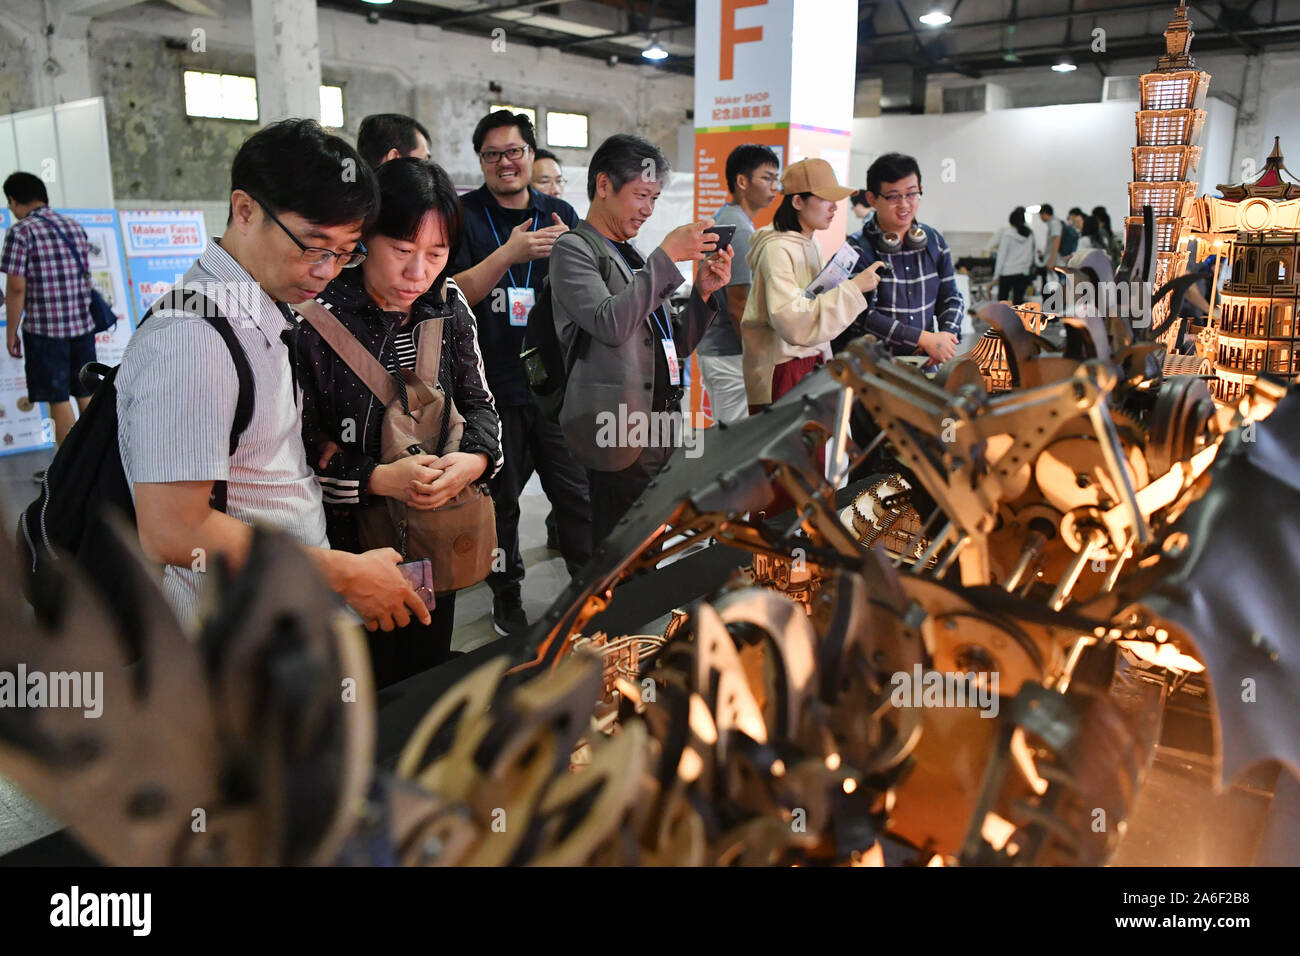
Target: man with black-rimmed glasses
<point x="299" y="198"/>
<point x="501" y="265"/>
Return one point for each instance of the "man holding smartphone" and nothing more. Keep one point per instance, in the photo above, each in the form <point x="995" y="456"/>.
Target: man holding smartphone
<point x="753" y="179"/>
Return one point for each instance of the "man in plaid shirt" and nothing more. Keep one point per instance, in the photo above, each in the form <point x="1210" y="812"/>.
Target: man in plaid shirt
<point x="916" y="309"/>
<point x="51" y="285"/>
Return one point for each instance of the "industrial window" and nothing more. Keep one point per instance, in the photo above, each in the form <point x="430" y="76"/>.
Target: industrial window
<point x="526" y="110"/>
<point x="229" y="96"/>
<point x="566" y="129"/>
<point x="331" y="106"/>
<point x="221" y="95"/>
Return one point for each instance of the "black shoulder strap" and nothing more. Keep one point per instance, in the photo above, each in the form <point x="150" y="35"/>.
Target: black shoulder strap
<point x="196" y="303"/>
<point x="599" y="248"/>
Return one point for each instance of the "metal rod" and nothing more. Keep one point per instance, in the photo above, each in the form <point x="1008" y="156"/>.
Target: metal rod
<point x="837" y="461"/>
<point x="1076" y="652"/>
<point x="1031" y="552"/>
<point x="1113" y="574"/>
<point x="1062" y="593"/>
<point x="931" y="551"/>
<point x="948" y="558"/>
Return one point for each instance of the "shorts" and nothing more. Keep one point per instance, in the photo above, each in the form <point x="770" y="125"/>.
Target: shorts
<point x="54" y="364"/>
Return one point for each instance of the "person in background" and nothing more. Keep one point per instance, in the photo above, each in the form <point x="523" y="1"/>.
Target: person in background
<point x="292" y="227"/>
<point x="858" y="204"/>
<point x="917" y="309"/>
<point x="548" y="177"/>
<point x="386" y="304"/>
<point x="1075" y="218"/>
<point x="1052" y="251"/>
<point x="47" y="299"/>
<point x="753" y="180"/>
<point x="500" y="268"/>
<point x="1013" y="263"/>
<point x="385" y="136"/>
<point x="1113" y="245"/>
<point x="625" y="341"/>
<point x="1090" y="236"/>
<point x="786" y="334"/>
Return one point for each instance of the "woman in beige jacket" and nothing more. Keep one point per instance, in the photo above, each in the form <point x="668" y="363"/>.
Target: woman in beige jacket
<point x="785" y="334"/>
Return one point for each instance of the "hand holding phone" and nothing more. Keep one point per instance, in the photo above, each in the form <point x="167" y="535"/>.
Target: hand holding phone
<point x="724" y="234"/>
<point x="420" y="575"/>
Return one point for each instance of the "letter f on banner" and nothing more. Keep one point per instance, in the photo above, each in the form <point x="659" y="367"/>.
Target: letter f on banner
<point x="731" y="36"/>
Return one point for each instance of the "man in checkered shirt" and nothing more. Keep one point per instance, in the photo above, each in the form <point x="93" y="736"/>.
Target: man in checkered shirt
<point x="47" y="290"/>
<point x="916" y="309"/>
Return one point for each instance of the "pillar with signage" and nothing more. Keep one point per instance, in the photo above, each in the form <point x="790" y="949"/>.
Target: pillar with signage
<point x="780" y="73"/>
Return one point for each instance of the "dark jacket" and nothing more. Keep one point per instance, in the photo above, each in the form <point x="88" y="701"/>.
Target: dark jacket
<point x="336" y="405"/>
<point x="502" y="341"/>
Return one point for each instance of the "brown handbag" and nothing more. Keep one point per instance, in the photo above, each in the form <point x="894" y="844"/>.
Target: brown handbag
<point x="459" y="538"/>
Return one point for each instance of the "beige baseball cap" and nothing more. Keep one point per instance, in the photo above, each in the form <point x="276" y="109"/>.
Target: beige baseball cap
<point x="813" y="176"/>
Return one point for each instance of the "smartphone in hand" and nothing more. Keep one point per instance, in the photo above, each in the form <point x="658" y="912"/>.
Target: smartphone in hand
<point x="724" y="234"/>
<point x="420" y="576"/>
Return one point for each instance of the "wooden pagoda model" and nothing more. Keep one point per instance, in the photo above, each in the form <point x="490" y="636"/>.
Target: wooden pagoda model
<point x="1256" y="332"/>
<point x="1169" y="123"/>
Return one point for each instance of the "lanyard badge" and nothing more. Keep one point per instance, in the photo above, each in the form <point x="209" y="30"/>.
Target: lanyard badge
<point x="520" y="299"/>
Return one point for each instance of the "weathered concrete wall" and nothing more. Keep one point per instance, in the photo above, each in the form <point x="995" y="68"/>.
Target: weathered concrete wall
<point x="139" y="56"/>
<point x="16" y="91"/>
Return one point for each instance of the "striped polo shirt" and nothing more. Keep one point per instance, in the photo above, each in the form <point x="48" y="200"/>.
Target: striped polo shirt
<point x="176" y="396"/>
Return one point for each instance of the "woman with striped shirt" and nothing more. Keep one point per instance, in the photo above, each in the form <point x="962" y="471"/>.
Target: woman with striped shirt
<point x="402" y="283"/>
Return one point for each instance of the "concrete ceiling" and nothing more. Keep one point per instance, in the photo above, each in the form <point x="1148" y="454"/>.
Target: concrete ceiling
<point x="984" y="36"/>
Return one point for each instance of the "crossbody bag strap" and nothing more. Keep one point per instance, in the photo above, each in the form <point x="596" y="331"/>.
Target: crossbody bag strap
<point x="85" y="264"/>
<point x="428" y="349"/>
<point x="355" y="355"/>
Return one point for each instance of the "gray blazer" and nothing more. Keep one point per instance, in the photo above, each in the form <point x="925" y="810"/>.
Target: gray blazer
<point x="615" y="364"/>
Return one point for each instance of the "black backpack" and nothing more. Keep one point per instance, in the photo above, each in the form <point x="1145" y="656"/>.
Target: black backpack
<point x="545" y="365"/>
<point x="86" y="480"/>
<point x="1069" y="240"/>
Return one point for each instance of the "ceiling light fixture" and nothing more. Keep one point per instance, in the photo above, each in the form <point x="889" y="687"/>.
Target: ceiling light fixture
<point x="935" y="18"/>
<point x="654" y="51"/>
<point x="1065" y="66"/>
<point x="378" y="3"/>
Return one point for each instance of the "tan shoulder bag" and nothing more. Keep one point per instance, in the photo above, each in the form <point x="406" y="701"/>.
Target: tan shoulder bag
<point x="460" y="537"/>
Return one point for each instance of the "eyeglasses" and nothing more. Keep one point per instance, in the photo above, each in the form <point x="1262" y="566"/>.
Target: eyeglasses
<point x="551" y="181"/>
<point x="491" y="157"/>
<point x="315" y="255"/>
<point x="895" y="198"/>
<point x="770" y="179"/>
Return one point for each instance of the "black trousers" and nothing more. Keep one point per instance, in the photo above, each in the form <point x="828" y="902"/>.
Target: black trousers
<point x="532" y="443"/>
<point x="1012" y="288"/>
<point x="406" y="651"/>
<point x="614" y="492"/>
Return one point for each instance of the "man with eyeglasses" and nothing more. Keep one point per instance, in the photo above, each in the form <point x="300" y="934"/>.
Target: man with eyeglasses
<point x="548" y="176"/>
<point x="292" y="227"/>
<point x="917" y="308"/>
<point x="500" y="267"/>
<point x="754" y="182"/>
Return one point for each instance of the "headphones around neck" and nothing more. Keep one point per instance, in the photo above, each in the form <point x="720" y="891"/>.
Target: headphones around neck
<point x="887" y="242"/>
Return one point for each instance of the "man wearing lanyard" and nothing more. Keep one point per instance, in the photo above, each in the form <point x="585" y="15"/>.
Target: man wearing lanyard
<point x="627" y="343"/>
<point x="500" y="267"/>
